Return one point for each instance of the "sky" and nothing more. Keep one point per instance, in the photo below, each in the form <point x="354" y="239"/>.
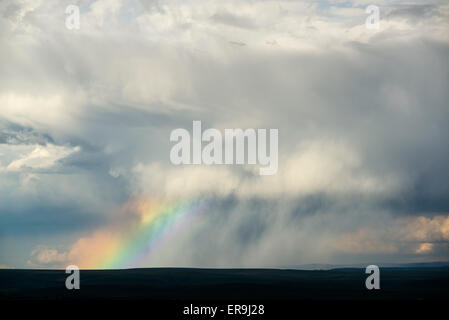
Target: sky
<point x="86" y="116"/>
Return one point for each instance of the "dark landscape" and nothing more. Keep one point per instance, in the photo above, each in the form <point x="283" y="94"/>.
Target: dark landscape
<point x="189" y="284"/>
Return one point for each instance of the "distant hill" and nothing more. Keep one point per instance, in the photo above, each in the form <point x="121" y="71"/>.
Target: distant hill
<point x="317" y="266"/>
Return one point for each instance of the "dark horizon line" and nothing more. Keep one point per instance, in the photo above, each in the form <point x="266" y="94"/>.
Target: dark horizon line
<point x="303" y="267"/>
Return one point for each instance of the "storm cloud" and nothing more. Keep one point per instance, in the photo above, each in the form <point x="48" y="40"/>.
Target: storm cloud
<point x="86" y="115"/>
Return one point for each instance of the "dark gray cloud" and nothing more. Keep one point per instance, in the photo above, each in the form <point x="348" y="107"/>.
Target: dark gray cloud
<point x="16" y="134"/>
<point x="414" y="13"/>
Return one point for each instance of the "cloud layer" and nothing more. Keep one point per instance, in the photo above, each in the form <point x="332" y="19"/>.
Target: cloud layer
<point x="362" y="114"/>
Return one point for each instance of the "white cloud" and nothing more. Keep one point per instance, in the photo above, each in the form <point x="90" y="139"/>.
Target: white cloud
<point x="38" y="156"/>
<point x="317" y="166"/>
<point x="42" y="256"/>
<point x="413" y="234"/>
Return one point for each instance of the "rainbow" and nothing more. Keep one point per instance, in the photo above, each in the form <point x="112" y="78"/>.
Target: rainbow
<point x="158" y="223"/>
